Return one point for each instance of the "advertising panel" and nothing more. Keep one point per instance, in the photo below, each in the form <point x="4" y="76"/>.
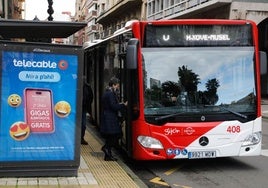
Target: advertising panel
<point x="39" y="103"/>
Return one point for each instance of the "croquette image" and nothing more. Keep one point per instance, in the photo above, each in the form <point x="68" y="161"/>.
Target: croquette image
<point x="62" y="109"/>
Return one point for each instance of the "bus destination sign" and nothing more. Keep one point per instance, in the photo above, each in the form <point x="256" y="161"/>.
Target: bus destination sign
<point x="222" y="37"/>
<point x="197" y="35"/>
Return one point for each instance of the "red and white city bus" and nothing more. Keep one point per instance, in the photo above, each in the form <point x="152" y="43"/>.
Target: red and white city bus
<point x="192" y="86"/>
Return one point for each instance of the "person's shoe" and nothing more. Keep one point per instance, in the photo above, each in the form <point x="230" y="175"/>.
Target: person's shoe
<point x="105" y="151"/>
<point x="83" y="142"/>
<point x="108" y="154"/>
<point x="109" y="158"/>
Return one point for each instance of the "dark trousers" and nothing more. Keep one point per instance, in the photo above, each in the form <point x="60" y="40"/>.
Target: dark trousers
<point x="111" y="141"/>
<point x="84" y="124"/>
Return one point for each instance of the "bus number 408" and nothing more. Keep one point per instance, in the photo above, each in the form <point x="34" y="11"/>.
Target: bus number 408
<point x="233" y="129"/>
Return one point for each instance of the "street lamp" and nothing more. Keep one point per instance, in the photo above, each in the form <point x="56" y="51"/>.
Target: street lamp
<point x="50" y="10"/>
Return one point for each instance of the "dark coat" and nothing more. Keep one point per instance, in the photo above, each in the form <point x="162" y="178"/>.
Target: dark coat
<point x="109" y="120"/>
<point x="87" y="98"/>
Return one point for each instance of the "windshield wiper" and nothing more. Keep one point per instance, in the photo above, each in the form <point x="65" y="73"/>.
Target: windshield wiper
<point x="220" y="106"/>
<point x="167" y="116"/>
<point x="231" y="111"/>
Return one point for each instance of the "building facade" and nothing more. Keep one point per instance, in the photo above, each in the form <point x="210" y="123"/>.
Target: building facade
<point x="12" y="9"/>
<point x="113" y="14"/>
<point x="255" y="10"/>
<point x="86" y="11"/>
<point x="106" y="16"/>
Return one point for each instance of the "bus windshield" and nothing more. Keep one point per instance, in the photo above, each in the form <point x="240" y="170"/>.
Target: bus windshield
<point x="183" y="82"/>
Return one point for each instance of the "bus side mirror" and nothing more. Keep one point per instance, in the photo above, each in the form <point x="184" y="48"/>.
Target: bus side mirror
<point x="263" y="62"/>
<point x="132" y="53"/>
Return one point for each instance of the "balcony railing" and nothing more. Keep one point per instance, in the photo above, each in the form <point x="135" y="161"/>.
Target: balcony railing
<point x="91" y="14"/>
<point x="176" y="8"/>
<point x="92" y="28"/>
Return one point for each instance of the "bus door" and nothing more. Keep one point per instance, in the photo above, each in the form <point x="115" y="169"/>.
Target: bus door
<point x="132" y="90"/>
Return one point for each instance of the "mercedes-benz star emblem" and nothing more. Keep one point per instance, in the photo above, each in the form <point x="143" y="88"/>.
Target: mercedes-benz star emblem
<point x="203" y="141"/>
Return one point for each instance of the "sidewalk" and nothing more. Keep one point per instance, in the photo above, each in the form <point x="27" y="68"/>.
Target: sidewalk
<point x="93" y="172"/>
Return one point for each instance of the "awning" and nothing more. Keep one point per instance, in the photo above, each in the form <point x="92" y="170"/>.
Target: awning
<point x="38" y="29"/>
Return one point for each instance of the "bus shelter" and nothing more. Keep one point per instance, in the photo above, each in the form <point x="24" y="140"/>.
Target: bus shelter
<point x="40" y="108"/>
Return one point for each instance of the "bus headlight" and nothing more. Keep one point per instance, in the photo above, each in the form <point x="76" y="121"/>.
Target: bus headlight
<point x="149" y="142"/>
<point x="252" y="139"/>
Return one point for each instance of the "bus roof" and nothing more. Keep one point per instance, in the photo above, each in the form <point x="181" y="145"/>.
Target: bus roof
<point x="125" y="29"/>
<point x="128" y="26"/>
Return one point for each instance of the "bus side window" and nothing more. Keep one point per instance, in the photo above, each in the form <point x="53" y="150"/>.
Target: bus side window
<point x="132" y="78"/>
<point x="263" y="62"/>
<point x="132" y="51"/>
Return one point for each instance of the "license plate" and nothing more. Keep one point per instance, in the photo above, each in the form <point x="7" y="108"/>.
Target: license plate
<point x="201" y="154"/>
